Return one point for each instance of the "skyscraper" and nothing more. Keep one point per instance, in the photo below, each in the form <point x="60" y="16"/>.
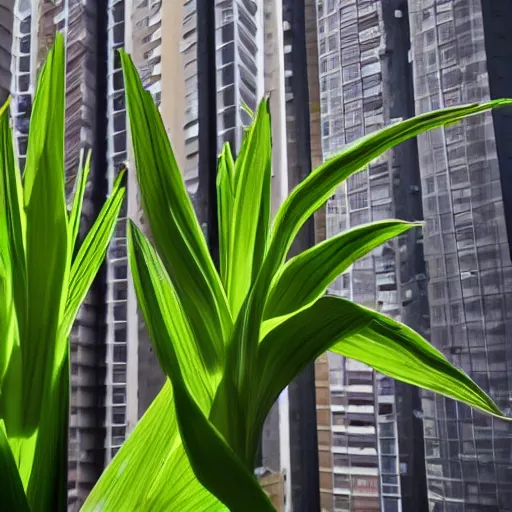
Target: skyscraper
<point x="239" y="47"/>
<point x="358" y="61"/>
<point x="459" y="55"/>
<point x="459" y="177"/>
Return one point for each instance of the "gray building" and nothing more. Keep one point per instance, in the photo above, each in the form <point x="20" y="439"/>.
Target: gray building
<point x="114" y="372"/>
<point x="461" y="53"/>
<point x="382" y="61"/>
<point x="375" y="436"/>
<point x="240" y="74"/>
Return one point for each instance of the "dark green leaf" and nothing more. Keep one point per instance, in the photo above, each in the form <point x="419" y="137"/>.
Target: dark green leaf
<point x="12" y="495"/>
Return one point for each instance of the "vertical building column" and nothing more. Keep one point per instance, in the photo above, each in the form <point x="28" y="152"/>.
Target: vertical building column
<point x="207" y="118"/>
<point x="411" y="272"/>
<point x="304" y="475"/>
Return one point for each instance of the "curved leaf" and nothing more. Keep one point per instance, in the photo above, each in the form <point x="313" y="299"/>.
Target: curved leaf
<point x="167" y="482"/>
<point x="91" y="254"/>
<point x="367" y="336"/>
<point x="174" y="227"/>
<point x="396" y="350"/>
<point x="234" y="485"/>
<point x="305" y="277"/>
<point x="312" y="193"/>
<point x="303" y="201"/>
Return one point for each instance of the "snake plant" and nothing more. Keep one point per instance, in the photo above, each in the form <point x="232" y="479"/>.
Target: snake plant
<point x="45" y="273"/>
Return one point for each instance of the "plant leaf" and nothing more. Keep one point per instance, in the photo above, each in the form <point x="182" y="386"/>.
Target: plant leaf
<point x="367" y="336"/>
<point x="12" y="495"/>
<point x="170" y="332"/>
<point x="312" y="193"/>
<point x="167" y="482"/>
<point x="91" y="255"/>
<point x="47" y="235"/>
<point x="78" y="199"/>
<point x="225" y="201"/>
<point x="304" y="278"/>
<point x="51" y="450"/>
<point x="251" y="209"/>
<point x="303" y="201"/>
<point x="172" y="337"/>
<point x="13" y="296"/>
<point x="218" y="468"/>
<point x="174" y="227"/>
<point x="396" y="350"/>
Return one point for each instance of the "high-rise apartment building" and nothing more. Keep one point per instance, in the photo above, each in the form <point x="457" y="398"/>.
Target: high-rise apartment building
<point x="461" y="52"/>
<point x="358" y="58"/>
<point x="107" y="396"/>
<point x="239" y="56"/>
<point x="381" y="61"/>
<point x="33" y="27"/>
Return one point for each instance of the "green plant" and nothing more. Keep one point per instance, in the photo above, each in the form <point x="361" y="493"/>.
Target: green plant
<point x="231" y="341"/>
<point x="44" y="276"/>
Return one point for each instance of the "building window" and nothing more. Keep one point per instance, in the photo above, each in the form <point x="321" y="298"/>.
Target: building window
<point x="390" y="505"/>
<point x="227" y="15"/>
<point x="341" y="481"/>
<point x="388" y="447"/>
<point x="388" y="464"/>
<point x="358" y="200"/>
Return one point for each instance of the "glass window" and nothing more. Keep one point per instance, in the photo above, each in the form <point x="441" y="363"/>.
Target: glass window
<point x="388" y="447"/>
<point x="358" y="200"/>
<point x="387" y="429"/>
<point x="388" y="464"/>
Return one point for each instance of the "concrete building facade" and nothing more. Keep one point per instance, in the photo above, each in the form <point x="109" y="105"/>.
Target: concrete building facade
<point x="460" y="52"/>
<point x="382" y="61"/>
<point x="363" y="431"/>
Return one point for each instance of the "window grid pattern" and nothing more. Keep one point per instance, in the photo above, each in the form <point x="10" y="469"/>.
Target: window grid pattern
<point x="239" y="56"/>
<point x="117" y="261"/>
<point x="466" y="248"/>
<point x="22" y="83"/>
<point x="350" y="35"/>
